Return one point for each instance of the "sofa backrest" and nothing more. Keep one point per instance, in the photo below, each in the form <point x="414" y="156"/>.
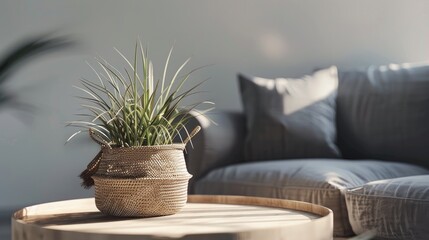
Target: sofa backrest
<point x="383" y="113"/>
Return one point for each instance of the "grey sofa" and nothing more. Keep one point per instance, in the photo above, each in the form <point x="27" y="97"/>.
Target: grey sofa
<point x="379" y="182"/>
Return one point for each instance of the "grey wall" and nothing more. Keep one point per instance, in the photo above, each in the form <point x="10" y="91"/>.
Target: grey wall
<point x="267" y="38"/>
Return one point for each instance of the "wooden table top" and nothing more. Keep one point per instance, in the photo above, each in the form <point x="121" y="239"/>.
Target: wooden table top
<point x="204" y="217"/>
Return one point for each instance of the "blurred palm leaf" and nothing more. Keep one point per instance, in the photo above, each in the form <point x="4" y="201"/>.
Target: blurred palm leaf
<point x="23" y="52"/>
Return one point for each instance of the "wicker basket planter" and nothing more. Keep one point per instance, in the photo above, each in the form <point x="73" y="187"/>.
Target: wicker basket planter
<point x="138" y="119"/>
<point x="141" y="181"/>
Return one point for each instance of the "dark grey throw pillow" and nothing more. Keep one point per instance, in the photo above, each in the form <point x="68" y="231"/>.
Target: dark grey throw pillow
<point x="383" y="113"/>
<point x="290" y="117"/>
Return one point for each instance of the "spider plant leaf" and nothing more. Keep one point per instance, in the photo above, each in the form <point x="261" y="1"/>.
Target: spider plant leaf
<point x="96" y="73"/>
<point x="105" y="107"/>
<point x="73" y="135"/>
<point x="88" y="92"/>
<point x="186" y="77"/>
<point x="114" y="71"/>
<point x="165" y="69"/>
<point x="110" y="79"/>
<point x="135" y="64"/>
<point x="126" y="60"/>
<point x="97" y="99"/>
<point x="175" y="75"/>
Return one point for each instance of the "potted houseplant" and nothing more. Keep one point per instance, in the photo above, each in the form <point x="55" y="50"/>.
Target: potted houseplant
<point x="140" y="169"/>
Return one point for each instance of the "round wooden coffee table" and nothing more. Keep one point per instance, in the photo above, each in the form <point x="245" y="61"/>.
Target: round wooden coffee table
<point x="204" y="217"/>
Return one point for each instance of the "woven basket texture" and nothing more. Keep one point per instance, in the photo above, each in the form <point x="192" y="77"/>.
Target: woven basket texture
<point x="141" y="181"/>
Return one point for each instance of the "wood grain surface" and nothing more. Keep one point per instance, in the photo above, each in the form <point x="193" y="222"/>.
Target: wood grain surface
<point x="204" y="217"/>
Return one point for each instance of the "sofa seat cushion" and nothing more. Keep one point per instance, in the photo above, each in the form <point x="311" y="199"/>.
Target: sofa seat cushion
<point x="319" y="181"/>
<point x="395" y="208"/>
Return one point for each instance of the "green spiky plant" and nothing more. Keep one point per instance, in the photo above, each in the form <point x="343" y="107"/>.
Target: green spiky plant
<point x="133" y="109"/>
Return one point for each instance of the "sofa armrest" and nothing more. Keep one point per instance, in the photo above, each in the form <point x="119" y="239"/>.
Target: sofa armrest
<point x="217" y="144"/>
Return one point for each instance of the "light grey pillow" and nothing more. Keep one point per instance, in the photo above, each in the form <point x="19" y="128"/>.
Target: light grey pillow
<point x="290" y="117"/>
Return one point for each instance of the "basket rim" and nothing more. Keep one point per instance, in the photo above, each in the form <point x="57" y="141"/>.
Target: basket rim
<point x="174" y="146"/>
<point x="189" y="176"/>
